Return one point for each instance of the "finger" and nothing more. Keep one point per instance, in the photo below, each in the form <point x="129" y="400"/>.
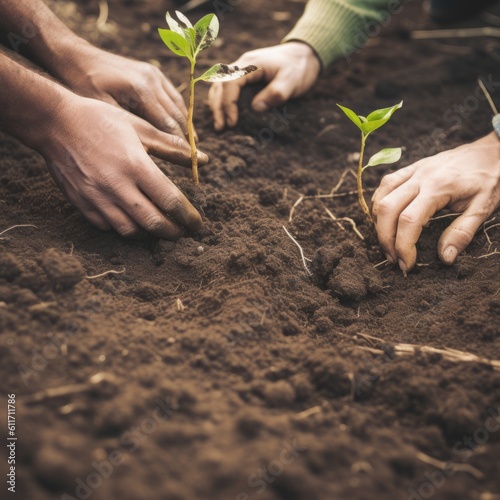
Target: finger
<point x="119" y="220"/>
<point x="174" y="94"/>
<point x="147" y="215"/>
<point x="410" y="224"/>
<point x="175" y="120"/>
<point x="389" y="183"/>
<point x="461" y="231"/>
<point x="230" y="96"/>
<point x="169" y="200"/>
<point x="96" y="219"/>
<point x="388" y="212"/>
<point x="275" y="94"/>
<point x="167" y="147"/>
<point x="215" y="103"/>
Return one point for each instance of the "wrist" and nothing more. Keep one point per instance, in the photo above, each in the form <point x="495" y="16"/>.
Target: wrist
<point x="69" y="58"/>
<point x="304" y="51"/>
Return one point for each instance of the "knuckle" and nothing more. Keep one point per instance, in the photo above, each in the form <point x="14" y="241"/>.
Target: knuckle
<point x="408" y="218"/>
<point x="127" y="230"/>
<point x="385" y="207"/>
<point x="389" y="181"/>
<point x="154" y="223"/>
<point x="279" y="94"/>
<point x="172" y="203"/>
<point x="463" y="234"/>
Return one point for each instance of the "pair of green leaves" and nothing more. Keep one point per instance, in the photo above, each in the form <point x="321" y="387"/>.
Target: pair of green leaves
<point x="188" y="41"/>
<point x="372" y="122"/>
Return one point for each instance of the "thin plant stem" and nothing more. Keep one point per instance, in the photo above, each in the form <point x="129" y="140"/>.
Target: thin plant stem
<point x="192" y="143"/>
<point x="359" y="179"/>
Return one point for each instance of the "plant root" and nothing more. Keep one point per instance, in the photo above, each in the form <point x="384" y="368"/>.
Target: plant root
<point x="300" y="249"/>
<point x="105" y="273"/>
<point x="442" y="465"/>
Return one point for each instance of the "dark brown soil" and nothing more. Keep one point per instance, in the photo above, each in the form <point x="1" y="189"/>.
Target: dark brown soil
<point x="192" y="367"/>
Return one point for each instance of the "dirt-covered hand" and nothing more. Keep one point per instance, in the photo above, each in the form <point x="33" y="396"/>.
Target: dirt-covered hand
<point x="465" y="179"/>
<point x="289" y="70"/>
<point x="98" y="155"/>
<point x="139" y="87"/>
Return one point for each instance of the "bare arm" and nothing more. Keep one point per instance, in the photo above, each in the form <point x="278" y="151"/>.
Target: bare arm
<point x="117" y="186"/>
<point x="31" y="27"/>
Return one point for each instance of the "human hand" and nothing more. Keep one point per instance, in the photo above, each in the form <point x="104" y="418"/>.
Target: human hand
<point x="290" y="69"/>
<point x="138" y="87"/>
<point x="97" y="154"/>
<point x="465" y="179"/>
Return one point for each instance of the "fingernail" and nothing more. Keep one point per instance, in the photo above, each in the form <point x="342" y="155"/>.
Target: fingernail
<point x="260" y="106"/>
<point x="202" y="157"/>
<point x="402" y="266"/>
<point x="218" y="126"/>
<point x="450" y="254"/>
<point x="389" y="258"/>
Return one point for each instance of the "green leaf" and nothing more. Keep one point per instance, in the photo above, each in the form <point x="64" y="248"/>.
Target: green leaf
<point x="352" y="116"/>
<point x="206" y="31"/>
<point x="225" y="73"/>
<point x="176" y="43"/>
<point x="384" y="157"/>
<point x="183" y="19"/>
<point x="380" y="114"/>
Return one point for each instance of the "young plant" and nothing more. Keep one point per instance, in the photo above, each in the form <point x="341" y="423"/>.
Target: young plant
<point x="188" y="41"/>
<point x="367" y="125"/>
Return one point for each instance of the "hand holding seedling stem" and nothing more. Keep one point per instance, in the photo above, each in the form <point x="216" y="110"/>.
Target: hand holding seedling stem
<point x="188" y="41"/>
<point x="367" y="125"/>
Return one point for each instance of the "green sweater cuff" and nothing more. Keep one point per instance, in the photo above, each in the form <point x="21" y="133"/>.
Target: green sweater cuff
<point x="337" y="28"/>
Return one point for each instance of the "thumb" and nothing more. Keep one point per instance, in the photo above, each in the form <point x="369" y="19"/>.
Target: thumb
<point x="273" y="95"/>
<point x="460" y="233"/>
<point x="170" y="147"/>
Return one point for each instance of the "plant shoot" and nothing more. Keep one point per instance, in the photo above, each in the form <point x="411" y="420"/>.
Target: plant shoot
<point x="367" y="125"/>
<point x="186" y="40"/>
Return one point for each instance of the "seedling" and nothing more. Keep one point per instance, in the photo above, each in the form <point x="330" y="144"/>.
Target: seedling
<point x="188" y="41"/>
<point x="367" y="125"/>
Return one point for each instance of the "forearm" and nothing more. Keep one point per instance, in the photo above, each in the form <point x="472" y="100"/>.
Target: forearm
<point x="30" y="26"/>
<point x="337" y="28"/>
<point x="29" y="102"/>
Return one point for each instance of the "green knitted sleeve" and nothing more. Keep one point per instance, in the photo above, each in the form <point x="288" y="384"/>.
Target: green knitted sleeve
<point x="338" y="28"/>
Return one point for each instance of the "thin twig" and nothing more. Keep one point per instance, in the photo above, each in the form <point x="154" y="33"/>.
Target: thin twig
<point x="444" y="216"/>
<point x="345" y="219"/>
<point x="17" y="225"/>
<point x="68" y="390"/>
<point x="103" y="14"/>
<point x="488" y="96"/>
<point x="309" y="412"/>
<point x="495" y="252"/>
<point x="300" y="249"/>
<point x="486" y="229"/>
<point x="105" y="273"/>
<point x="449" y="354"/>
<point x="456" y="33"/>
<point x="381" y="263"/>
<point x="439" y="464"/>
